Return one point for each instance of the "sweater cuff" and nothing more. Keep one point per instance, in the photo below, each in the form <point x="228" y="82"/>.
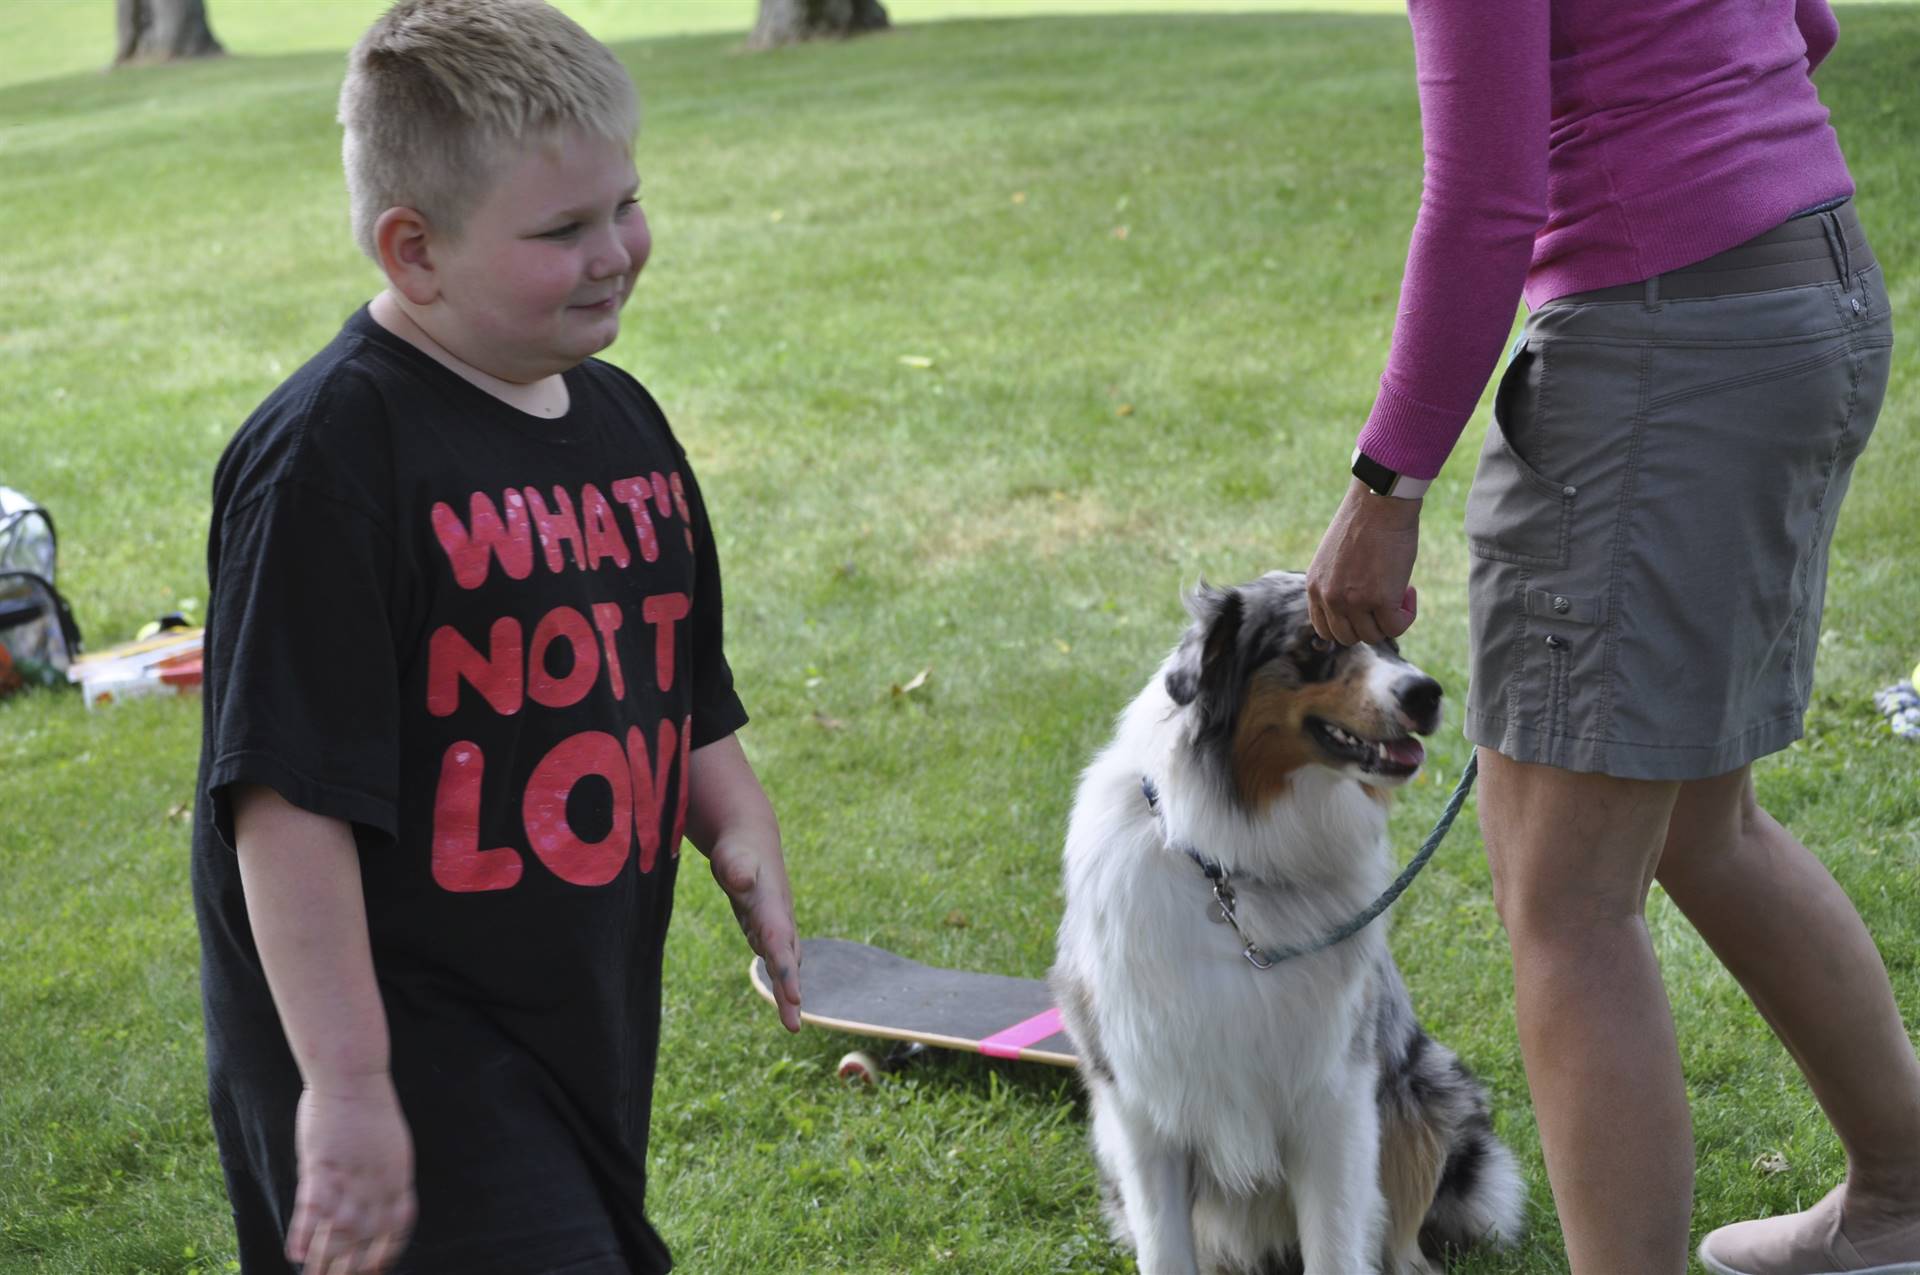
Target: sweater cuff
<point x="1408" y="436"/>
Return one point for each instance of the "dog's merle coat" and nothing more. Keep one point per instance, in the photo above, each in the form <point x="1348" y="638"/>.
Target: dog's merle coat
<point x="1246" y="1120"/>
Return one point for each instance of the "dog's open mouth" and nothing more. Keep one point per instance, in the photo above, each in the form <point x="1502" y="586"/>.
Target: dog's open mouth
<point x="1398" y="757"/>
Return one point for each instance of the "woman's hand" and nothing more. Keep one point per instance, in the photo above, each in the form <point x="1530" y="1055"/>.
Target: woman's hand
<point x="1357" y="587"/>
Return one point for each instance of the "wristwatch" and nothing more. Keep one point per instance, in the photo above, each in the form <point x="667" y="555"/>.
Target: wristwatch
<point x="1387" y="482"/>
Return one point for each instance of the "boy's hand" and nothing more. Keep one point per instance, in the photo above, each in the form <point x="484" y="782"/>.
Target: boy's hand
<point x="730" y="819"/>
<point x="756" y="885"/>
<point x="353" y="1209"/>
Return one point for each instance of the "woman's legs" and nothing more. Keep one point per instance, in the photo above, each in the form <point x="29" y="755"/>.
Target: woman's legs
<point x="1783" y="927"/>
<point x="1573" y="856"/>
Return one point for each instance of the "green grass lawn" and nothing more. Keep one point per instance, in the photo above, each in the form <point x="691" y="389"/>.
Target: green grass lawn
<point x="60" y="37"/>
<point x="1144" y="268"/>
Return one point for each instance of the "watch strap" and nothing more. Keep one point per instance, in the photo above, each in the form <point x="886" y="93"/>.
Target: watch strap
<point x="1386" y="482"/>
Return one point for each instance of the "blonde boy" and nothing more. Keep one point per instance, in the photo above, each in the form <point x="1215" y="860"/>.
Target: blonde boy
<point x="465" y="691"/>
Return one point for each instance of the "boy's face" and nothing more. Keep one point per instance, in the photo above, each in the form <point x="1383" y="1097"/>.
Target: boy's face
<point x="536" y="279"/>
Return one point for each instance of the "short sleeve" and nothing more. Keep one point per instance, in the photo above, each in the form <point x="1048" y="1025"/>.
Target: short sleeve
<point x="301" y="677"/>
<point x="717" y="710"/>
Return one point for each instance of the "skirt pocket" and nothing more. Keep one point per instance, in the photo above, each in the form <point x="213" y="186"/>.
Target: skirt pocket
<point x="1515" y="513"/>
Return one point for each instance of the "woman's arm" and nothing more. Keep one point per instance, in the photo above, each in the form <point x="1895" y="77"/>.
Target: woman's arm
<point x="1485" y="106"/>
<point x="1818" y="27"/>
<point x="1483" y="72"/>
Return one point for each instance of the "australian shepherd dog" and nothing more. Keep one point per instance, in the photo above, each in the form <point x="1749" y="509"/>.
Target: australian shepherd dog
<point x="1280" y="1119"/>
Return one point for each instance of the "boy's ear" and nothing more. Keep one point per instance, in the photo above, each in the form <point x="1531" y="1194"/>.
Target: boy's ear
<point x="402" y="239"/>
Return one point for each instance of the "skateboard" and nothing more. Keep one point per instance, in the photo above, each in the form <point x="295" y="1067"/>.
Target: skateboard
<point x="852" y="987"/>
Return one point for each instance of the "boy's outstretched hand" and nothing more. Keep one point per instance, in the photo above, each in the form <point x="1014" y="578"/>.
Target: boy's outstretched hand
<point x="354" y="1207"/>
<point x="756" y="885"/>
<point x="731" y="821"/>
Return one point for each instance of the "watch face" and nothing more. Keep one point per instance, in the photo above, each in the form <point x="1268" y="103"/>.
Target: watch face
<point x="1373" y="473"/>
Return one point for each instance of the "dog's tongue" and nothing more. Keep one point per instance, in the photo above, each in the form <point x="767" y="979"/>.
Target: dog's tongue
<point x="1404" y="752"/>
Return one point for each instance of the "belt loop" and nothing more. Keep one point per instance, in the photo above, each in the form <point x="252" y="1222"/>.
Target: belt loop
<point x="1652" y="292"/>
<point x="1837" y="245"/>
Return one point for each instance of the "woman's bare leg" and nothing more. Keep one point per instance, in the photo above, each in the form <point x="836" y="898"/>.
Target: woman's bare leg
<point x="1573" y="856"/>
<point x="1784" y="928"/>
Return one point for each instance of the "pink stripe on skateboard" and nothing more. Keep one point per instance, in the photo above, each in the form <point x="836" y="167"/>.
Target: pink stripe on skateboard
<point x="1009" y="1043"/>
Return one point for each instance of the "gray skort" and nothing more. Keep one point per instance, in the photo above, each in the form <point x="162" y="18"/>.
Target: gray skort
<point x="1650" y="518"/>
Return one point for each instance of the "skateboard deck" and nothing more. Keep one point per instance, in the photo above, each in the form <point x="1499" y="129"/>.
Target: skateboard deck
<point x="851" y="987"/>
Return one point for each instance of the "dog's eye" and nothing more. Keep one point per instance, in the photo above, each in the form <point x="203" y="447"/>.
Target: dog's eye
<point x="1316" y="658"/>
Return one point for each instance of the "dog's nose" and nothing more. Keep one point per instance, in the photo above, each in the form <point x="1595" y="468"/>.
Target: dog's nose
<point x="1419" y="700"/>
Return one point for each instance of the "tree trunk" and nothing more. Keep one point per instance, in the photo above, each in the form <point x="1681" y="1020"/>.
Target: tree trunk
<point x="790" y="21"/>
<point x="163" y="31"/>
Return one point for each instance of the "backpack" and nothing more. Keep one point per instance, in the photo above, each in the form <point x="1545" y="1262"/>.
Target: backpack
<point x="38" y="636"/>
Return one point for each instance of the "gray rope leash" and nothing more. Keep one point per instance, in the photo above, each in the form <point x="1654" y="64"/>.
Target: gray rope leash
<point x="1264" y="958"/>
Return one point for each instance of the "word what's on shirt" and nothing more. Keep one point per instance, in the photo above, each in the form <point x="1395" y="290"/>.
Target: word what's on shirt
<point x="514" y="670"/>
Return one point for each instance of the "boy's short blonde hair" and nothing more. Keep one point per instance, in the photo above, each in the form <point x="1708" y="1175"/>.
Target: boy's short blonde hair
<point x="438" y="92"/>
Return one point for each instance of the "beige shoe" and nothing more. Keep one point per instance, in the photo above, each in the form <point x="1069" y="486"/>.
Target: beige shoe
<point x="1809" y="1243"/>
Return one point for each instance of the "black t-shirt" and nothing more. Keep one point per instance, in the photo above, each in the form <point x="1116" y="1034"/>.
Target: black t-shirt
<point x="488" y="642"/>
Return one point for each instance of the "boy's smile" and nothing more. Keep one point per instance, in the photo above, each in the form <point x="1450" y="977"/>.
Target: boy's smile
<point x="535" y="281"/>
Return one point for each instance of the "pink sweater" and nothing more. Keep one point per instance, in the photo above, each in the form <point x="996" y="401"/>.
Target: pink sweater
<point x="1576" y="144"/>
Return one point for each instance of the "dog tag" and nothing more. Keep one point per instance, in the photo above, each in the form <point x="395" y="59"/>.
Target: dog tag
<point x="1216" y="913"/>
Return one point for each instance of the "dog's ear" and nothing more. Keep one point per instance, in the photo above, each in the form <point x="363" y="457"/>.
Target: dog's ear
<point x="1203" y="602"/>
<point x="1206" y="667"/>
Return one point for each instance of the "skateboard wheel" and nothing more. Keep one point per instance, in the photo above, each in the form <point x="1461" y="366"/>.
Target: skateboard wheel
<point x="858" y="1068"/>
